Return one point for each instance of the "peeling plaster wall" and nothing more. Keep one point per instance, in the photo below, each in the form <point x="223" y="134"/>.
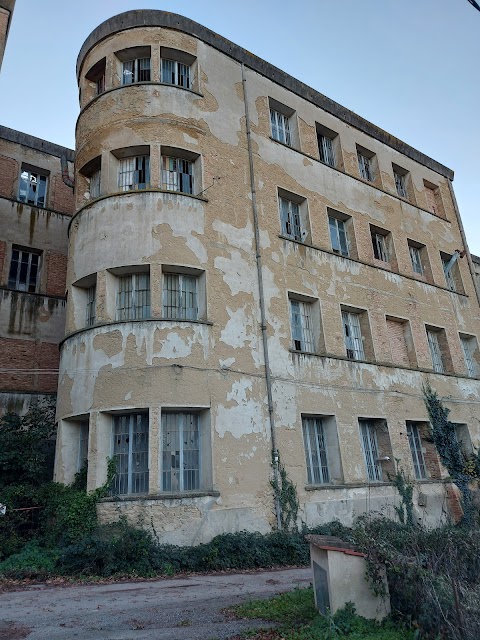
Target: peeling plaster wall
<point x="215" y="365"/>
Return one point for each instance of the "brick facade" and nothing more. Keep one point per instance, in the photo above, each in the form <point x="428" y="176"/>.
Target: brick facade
<point x="56" y="265"/>
<point x="8" y="174"/>
<point x="61" y="196"/>
<point x="23" y="359"/>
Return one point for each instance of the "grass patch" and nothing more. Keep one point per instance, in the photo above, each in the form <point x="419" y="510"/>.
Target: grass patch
<point x="295" y="612"/>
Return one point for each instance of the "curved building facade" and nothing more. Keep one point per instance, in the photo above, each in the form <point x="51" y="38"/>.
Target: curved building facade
<point x="255" y="273"/>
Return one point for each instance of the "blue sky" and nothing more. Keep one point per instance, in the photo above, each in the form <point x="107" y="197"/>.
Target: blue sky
<point x="410" y="67"/>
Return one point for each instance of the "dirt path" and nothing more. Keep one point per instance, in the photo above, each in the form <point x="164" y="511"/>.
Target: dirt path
<point x="177" y="609"/>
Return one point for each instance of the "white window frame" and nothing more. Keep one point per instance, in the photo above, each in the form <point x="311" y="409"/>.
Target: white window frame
<point x="185" y="290"/>
<point x="32" y="188"/>
<point x="435" y="351"/>
<point x="368" y="437"/>
<point x="178" y="175"/>
<point x="136" y="70"/>
<point x="28" y="262"/>
<point x="415" y="257"/>
<point x="416" y="449"/>
<point x="449" y="277"/>
<point x="133" y="302"/>
<point x="338" y="236"/>
<point x="380" y="248"/>
<point x="315" y="451"/>
<point x="302" y="327"/>
<point x="176" y="73"/>
<point x="326" y="150"/>
<point x="291" y="219"/>
<point x="130" y="445"/>
<point x="400" y="184"/>
<point x="134" y="173"/>
<point x="352" y="332"/>
<point x="280" y="124"/>
<point x="469" y="348"/>
<point x="181" y="468"/>
<point x="91" y="293"/>
<point x="94" y="186"/>
<point x="365" y="167"/>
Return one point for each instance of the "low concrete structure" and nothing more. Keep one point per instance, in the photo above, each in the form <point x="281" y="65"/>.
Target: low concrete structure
<point x="339" y="576"/>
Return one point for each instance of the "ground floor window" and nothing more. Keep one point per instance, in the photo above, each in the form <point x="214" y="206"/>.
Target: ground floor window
<point x="181" y="447"/>
<point x="130" y="451"/>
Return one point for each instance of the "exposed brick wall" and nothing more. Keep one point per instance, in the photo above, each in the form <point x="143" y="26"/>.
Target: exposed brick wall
<point x="3" y="253"/>
<point x="56" y="265"/>
<point x="61" y="196"/>
<point x="430" y="454"/>
<point x="8" y="174"/>
<point x="398" y="346"/>
<point x="454" y="503"/>
<point x="28" y="355"/>
<point x="385" y="449"/>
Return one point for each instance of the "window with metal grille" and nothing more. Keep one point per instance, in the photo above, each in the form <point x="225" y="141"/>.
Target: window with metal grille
<point x="90" y="309"/>
<point x="134" y="173"/>
<point x="136" y="71"/>
<point x="353" y="336"/>
<point x="181" y="446"/>
<point x="415" y="257"/>
<point x="95" y="184"/>
<point x="291" y="220"/>
<point x="401" y="184"/>
<point x="83" y="445"/>
<point x="130" y="452"/>
<point x="33" y="188"/>
<point x="448" y="271"/>
<point x="303" y="336"/>
<point x="415" y="442"/>
<point x="177" y="175"/>
<point x="180" y="296"/>
<point x="100" y="85"/>
<point x="365" y="167"/>
<point x="280" y="127"/>
<point x="380" y="249"/>
<point x="469" y="348"/>
<point x="435" y="351"/>
<point x="24" y="270"/>
<point x="326" y="150"/>
<point x="370" y="450"/>
<point x="133" y="297"/>
<point x="315" y="451"/>
<point x="174" y="72"/>
<point x="338" y="236"/>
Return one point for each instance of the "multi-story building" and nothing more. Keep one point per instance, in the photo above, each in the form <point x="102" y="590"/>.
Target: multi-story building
<point x="254" y="273"/>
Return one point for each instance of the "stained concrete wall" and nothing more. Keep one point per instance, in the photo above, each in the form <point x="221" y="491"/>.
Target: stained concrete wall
<point x="216" y="365"/>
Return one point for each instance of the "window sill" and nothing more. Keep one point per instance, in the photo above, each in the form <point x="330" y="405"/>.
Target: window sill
<point x="163" y="496"/>
<point x="359" y="485"/>
<point x="31" y="293"/>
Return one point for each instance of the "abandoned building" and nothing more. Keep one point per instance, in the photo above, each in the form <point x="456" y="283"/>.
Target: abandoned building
<point x="257" y="277"/>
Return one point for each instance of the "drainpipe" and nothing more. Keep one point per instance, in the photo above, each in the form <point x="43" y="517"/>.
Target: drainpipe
<point x="258" y="256"/>
<point x="464" y="240"/>
<point x="65" y="175"/>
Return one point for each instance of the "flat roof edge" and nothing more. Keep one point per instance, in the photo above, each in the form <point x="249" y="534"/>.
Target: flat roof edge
<point x="155" y="18"/>
<point x="25" y="139"/>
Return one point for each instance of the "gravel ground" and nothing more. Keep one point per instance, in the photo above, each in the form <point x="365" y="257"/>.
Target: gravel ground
<point x="175" y="608"/>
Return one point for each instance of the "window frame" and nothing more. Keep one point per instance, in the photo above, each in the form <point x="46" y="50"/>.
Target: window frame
<point x="136" y="70"/>
<point x="414" y="437"/>
<point x="137" y="172"/>
<point x="469" y="346"/>
<point x="41" y="176"/>
<point x="353" y="340"/>
<point x="380" y="246"/>
<point x="280" y="127"/>
<point x="133" y="458"/>
<point x="370" y="448"/>
<point x="302" y="331"/>
<point x="416" y="259"/>
<point x="136" y="310"/>
<point x="83" y="437"/>
<point x="14" y="281"/>
<point x="175" y="72"/>
<point x="172" y="178"/>
<point x="182" y="416"/>
<point x="336" y="238"/>
<point x="315" y="446"/>
<point x="365" y="164"/>
<point x="436" y="355"/>
<point x="181" y="292"/>
<point x="91" y="303"/>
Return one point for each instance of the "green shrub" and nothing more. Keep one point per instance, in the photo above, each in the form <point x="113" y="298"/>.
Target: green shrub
<point x="33" y="561"/>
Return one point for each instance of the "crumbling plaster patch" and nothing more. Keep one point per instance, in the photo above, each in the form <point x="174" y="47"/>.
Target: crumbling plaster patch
<point x="243" y="415"/>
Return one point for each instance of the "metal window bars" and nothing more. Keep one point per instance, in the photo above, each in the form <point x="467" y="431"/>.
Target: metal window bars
<point x="414" y="440"/>
<point x="370" y="450"/>
<point x="400" y="184"/>
<point x="32" y="188"/>
<point x="435" y="351"/>
<point x="416" y="260"/>
<point x="130" y="451"/>
<point x="353" y="336"/>
<point x="100" y="84"/>
<point x="291" y="220"/>
<point x="94" y="186"/>
<point x="177" y="175"/>
<point x="315" y="451"/>
<point x="338" y="236"/>
<point x="468" y="348"/>
<point x="177" y="73"/>
<point x="137" y="70"/>
<point x="303" y="338"/>
<point x="134" y="173"/>
<point x="133" y="297"/>
<point x="24" y="271"/>
<point x="280" y="127"/>
<point x="325" y="148"/>
<point x="90" y="308"/>
<point x="181" y="438"/>
<point x="365" y="167"/>
<point x="180" y="296"/>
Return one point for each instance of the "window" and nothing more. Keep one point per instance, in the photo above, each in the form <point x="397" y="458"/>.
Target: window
<point x="100" y="85"/>
<point x="327" y="141"/>
<point x="90" y="308"/>
<point x="415" y="258"/>
<point x="303" y="336"/>
<point x="181" y="452"/>
<point x="380" y="244"/>
<point x="452" y="272"/>
<point x="401" y="177"/>
<point x="415" y="442"/>
<point x="96" y="75"/>
<point x="137" y="70"/>
<point x="33" y="187"/>
<point x="370" y="448"/>
<point x="95" y="184"/>
<point x="353" y="335"/>
<point x="280" y="127"/>
<point x="338" y="236"/>
<point x="435" y="350"/>
<point x="82" y="445"/>
<point x="180" y="298"/>
<point x="366" y="164"/>
<point x="177" y="175"/>
<point x="290" y="219"/>
<point x="130" y="451"/>
<point x="174" y="72"/>
<point x="134" y="173"/>
<point x="133" y="297"/>
<point x="469" y="347"/>
<point x="24" y="270"/>
<point x="315" y="451"/>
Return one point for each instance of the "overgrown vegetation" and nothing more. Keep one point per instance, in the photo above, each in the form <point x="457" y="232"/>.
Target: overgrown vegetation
<point x="285" y="493"/>
<point x="298" y="619"/>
